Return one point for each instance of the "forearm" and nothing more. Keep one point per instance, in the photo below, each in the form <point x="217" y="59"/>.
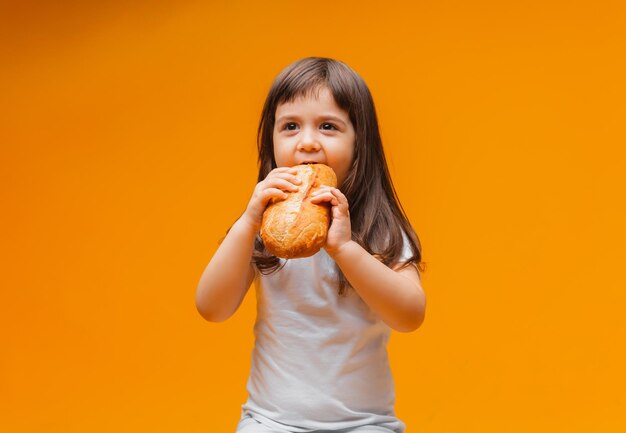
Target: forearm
<point x="397" y="299"/>
<point x="228" y="275"/>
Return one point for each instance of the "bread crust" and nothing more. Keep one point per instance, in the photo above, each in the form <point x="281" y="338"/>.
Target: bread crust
<point x="295" y="227"/>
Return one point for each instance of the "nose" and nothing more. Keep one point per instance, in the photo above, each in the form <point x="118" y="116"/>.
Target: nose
<point x="308" y="141"/>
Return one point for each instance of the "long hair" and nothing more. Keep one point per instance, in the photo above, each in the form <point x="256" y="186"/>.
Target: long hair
<point x="377" y="217"/>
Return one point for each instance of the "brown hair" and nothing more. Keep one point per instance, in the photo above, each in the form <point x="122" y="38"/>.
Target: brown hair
<point x="377" y="217"/>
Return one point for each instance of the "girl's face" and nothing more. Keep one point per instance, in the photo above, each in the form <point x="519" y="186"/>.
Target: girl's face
<point x="313" y="128"/>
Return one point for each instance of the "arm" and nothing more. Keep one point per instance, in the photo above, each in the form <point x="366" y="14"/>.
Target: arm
<point x="227" y="278"/>
<point x="395" y="295"/>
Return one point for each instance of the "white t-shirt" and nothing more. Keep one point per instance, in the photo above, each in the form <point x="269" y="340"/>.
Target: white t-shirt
<point x="320" y="359"/>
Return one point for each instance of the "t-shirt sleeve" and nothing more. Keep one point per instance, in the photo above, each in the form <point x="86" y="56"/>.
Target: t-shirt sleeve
<point x="407" y="253"/>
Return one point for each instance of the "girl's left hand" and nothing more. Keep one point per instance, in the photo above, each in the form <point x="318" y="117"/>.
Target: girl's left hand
<point x="340" y="231"/>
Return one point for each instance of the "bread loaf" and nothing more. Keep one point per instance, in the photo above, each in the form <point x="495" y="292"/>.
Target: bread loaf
<point x="295" y="227"/>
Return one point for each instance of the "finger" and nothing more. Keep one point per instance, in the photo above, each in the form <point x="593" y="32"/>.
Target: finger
<point x="289" y="170"/>
<point x="328" y="191"/>
<point x="337" y="192"/>
<point x="338" y="201"/>
<point x="287" y="176"/>
<point x="280" y="183"/>
<point x="342" y="200"/>
<point x="272" y="194"/>
<point x="324" y="196"/>
<point x="340" y="196"/>
<point x="321" y="190"/>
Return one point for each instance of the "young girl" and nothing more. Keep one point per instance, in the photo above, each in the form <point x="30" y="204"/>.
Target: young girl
<point x="320" y="359"/>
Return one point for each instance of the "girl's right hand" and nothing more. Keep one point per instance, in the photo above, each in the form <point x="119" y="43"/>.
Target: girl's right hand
<point x="274" y="187"/>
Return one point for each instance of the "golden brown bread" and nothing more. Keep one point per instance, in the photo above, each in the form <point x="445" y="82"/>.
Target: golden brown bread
<point x="295" y="227"/>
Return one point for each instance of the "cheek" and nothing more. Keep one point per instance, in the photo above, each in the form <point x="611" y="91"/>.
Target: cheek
<point x="275" y="142"/>
<point x="349" y="153"/>
<point x="343" y="162"/>
<point x="282" y="155"/>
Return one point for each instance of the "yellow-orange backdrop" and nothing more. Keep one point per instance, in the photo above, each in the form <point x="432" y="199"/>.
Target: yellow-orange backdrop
<point x="127" y="149"/>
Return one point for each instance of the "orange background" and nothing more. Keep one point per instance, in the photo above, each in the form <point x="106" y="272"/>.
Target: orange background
<point x="128" y="148"/>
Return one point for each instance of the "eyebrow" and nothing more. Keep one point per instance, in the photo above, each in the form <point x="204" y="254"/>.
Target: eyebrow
<point x="323" y="116"/>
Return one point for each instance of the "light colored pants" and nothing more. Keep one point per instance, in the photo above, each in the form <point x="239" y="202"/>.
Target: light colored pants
<point x="250" y="425"/>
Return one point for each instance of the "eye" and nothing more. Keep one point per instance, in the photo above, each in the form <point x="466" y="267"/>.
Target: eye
<point x="328" y="126"/>
<point x="290" y="126"/>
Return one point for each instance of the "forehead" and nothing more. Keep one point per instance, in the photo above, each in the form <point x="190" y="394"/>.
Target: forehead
<point x="319" y="98"/>
<point x="300" y="90"/>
